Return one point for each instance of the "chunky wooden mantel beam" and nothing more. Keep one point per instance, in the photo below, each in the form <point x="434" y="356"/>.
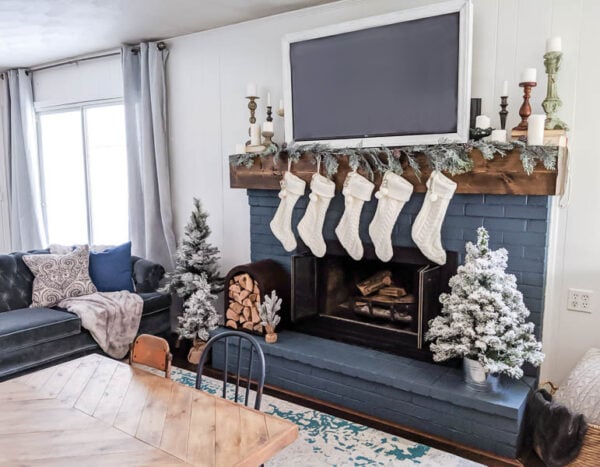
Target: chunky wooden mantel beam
<point x="502" y="175"/>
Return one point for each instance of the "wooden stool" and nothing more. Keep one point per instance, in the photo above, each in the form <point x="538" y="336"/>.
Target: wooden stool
<point x="151" y="351"/>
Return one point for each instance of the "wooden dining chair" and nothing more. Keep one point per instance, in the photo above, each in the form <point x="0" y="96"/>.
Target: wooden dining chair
<point x="151" y="351"/>
<point x="253" y="352"/>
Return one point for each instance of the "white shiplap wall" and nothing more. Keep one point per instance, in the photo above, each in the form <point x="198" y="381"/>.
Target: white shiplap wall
<point x="207" y="73"/>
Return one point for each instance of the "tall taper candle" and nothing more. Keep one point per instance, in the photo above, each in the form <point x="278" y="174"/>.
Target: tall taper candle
<point x="535" y="130"/>
<point x="504" y="89"/>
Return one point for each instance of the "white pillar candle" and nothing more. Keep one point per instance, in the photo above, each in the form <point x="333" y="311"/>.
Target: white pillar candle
<point x="535" y="130"/>
<point x="504" y="89"/>
<point x="268" y="126"/>
<point x="251" y="90"/>
<point x="254" y="134"/>
<point x="554" y="44"/>
<point x="482" y="121"/>
<point x="240" y="148"/>
<point x="498" y="136"/>
<point x="268" y="98"/>
<point x="529" y="75"/>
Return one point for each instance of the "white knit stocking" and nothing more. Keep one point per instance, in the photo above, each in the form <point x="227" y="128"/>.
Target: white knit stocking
<point x="310" y="227"/>
<point x="357" y="190"/>
<point x="426" y="230"/>
<point x="292" y="188"/>
<point x="395" y="191"/>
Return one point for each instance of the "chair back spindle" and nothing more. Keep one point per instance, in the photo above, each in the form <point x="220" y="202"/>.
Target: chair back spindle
<point x="253" y="352"/>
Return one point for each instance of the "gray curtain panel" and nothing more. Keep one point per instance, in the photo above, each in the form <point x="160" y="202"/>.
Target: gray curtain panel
<point x="27" y="226"/>
<point x="150" y="210"/>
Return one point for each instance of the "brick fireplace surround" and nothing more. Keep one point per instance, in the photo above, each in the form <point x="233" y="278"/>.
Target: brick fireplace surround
<point x="419" y="395"/>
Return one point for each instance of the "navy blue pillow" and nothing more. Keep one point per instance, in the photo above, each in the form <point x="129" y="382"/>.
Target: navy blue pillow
<point x="110" y="269"/>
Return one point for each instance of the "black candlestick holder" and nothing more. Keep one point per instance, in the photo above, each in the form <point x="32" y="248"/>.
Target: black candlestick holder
<point x="269" y="113"/>
<point x="479" y="133"/>
<point x="503" y="113"/>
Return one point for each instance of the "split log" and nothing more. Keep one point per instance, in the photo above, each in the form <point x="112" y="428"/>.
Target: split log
<point x="231" y="324"/>
<point x="375" y="282"/>
<point x="243" y="295"/>
<point x="248" y="325"/>
<point x="392" y="291"/>
<point x="231" y="314"/>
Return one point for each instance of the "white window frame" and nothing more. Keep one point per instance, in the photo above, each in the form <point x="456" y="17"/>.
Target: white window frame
<point x="81" y="107"/>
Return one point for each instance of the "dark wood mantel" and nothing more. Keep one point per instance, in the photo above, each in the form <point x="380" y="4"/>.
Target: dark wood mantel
<point x="498" y="176"/>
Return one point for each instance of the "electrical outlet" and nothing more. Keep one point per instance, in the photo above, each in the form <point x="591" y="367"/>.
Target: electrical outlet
<point x="580" y="300"/>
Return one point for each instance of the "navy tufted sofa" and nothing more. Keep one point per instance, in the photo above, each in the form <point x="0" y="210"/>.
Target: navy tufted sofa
<point x="35" y="337"/>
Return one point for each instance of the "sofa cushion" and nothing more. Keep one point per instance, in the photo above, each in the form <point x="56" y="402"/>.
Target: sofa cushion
<point x="154" y="301"/>
<point x="30" y="326"/>
<point x="111" y="269"/>
<point x="60" y="276"/>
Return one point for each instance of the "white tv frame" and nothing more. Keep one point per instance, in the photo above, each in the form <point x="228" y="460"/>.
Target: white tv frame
<point x="465" y="10"/>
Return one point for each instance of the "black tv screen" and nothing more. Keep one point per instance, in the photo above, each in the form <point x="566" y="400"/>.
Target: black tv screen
<point x="392" y="80"/>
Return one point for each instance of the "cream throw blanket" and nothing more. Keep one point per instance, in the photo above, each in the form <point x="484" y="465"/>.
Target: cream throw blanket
<point x="112" y="318"/>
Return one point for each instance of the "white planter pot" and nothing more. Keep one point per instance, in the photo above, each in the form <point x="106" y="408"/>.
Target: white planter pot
<point x="477" y="378"/>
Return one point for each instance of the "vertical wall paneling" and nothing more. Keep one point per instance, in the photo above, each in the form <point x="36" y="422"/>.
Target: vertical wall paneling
<point x="208" y="72"/>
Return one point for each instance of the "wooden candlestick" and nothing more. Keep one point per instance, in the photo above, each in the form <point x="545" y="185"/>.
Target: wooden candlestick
<point x="503" y="113"/>
<point x="525" y="110"/>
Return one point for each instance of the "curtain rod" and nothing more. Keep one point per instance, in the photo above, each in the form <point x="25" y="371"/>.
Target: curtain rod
<point x="160" y="45"/>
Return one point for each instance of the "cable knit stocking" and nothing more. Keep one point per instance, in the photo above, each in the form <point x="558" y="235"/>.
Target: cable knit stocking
<point x="292" y="188"/>
<point x="310" y="227"/>
<point x="357" y="190"/>
<point x="426" y="230"/>
<point x="394" y="192"/>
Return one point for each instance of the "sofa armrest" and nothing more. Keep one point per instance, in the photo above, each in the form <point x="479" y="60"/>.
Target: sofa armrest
<point x="146" y="274"/>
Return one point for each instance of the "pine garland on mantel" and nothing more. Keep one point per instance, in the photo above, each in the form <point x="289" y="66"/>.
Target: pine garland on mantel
<point x="451" y="157"/>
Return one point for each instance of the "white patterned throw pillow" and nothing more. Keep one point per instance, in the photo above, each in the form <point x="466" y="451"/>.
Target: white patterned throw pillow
<point x="60" y="276"/>
<point x="581" y="392"/>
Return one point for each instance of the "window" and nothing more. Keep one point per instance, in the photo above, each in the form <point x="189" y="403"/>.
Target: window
<point x="84" y="174"/>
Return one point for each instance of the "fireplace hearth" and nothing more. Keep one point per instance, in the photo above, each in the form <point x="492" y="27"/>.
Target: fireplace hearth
<point x="379" y="305"/>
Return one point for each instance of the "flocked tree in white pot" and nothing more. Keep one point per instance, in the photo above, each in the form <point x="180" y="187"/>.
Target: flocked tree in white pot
<point x="483" y="319"/>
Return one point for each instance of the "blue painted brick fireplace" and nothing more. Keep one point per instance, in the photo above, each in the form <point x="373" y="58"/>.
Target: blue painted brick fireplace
<point x="390" y="386"/>
<point x="517" y="223"/>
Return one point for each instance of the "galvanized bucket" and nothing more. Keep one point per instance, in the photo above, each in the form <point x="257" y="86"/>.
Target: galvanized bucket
<point x="477" y="378"/>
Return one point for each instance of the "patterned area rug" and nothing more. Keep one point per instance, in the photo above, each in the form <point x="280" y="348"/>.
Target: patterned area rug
<point x="325" y="440"/>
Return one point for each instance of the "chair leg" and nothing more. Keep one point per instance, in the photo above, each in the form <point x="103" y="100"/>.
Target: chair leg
<point x="169" y="360"/>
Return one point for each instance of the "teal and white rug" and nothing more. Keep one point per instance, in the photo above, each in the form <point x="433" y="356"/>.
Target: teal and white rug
<point x="325" y="440"/>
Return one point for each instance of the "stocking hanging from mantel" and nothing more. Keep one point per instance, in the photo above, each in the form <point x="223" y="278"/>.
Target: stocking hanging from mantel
<point x="310" y="228"/>
<point x="357" y="190"/>
<point x="427" y="228"/>
<point x="292" y="188"/>
<point x="394" y="192"/>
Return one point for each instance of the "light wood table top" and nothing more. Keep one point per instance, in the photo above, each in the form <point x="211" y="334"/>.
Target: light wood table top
<point x="98" y="411"/>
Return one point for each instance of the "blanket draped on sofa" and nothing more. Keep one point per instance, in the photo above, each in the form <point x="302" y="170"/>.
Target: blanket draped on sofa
<point x="112" y="318"/>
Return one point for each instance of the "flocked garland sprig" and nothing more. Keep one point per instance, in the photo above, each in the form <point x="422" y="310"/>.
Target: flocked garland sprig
<point x="451" y="157"/>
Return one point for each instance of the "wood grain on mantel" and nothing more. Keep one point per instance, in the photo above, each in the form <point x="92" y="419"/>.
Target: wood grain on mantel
<point x="502" y="175"/>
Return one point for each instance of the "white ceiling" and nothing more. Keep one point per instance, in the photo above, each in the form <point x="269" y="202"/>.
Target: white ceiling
<point x="34" y="32"/>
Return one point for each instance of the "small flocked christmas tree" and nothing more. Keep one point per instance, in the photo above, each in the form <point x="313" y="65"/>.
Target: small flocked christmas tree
<point x="196" y="278"/>
<point x="484" y="317"/>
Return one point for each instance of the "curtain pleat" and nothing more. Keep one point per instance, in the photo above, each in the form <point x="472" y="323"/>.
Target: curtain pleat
<point x="150" y="209"/>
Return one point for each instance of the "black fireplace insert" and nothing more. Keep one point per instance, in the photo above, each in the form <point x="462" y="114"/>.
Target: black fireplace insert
<point x="385" y="306"/>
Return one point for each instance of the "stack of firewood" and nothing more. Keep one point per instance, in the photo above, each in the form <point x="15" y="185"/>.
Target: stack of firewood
<point x="244" y="301"/>
<point x="381" y="298"/>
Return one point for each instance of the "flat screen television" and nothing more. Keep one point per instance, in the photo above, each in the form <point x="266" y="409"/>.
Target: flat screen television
<point x="401" y="78"/>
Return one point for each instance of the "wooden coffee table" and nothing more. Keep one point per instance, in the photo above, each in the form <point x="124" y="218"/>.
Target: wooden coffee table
<point x="98" y="411"/>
